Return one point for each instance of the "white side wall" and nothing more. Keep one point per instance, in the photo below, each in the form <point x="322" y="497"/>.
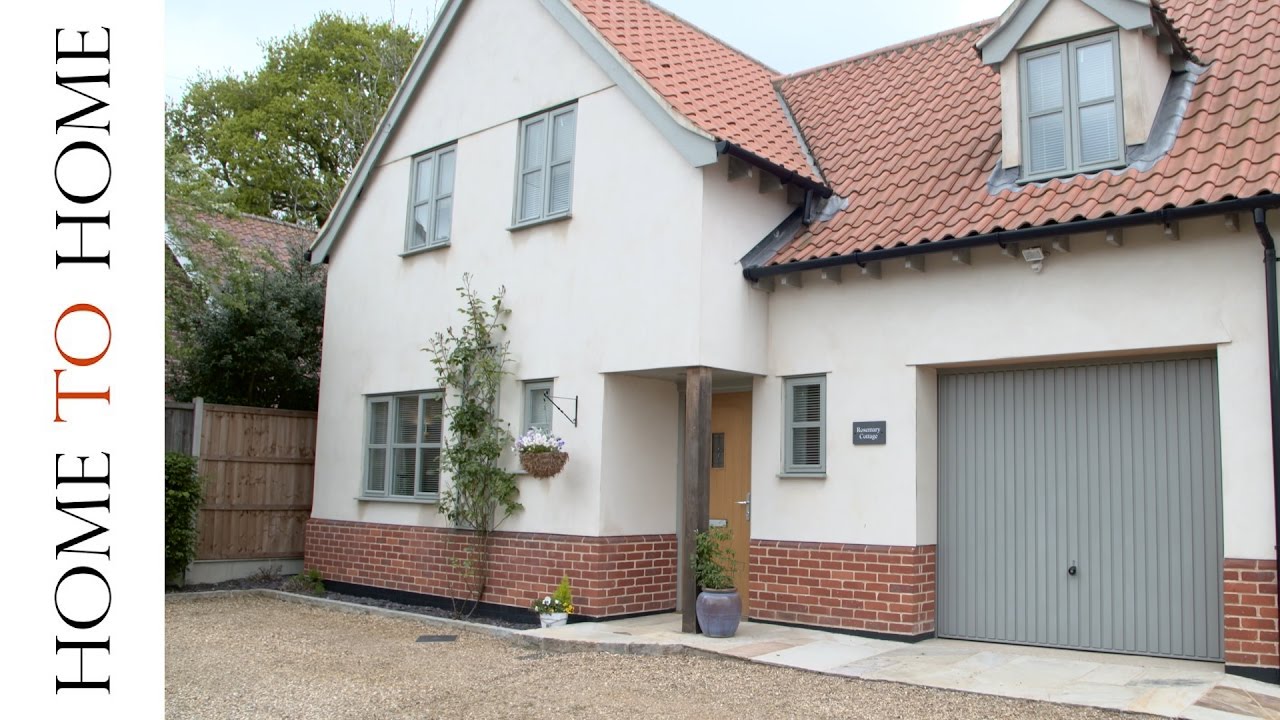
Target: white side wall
<point x="502" y="61"/>
<point x="638" y="478"/>
<point x="581" y="291"/>
<point x="733" y="317"/>
<point x="643" y="276"/>
<point x="1150" y="296"/>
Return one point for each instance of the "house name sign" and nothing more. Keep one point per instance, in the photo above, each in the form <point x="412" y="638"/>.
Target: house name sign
<point x="869" y="432"/>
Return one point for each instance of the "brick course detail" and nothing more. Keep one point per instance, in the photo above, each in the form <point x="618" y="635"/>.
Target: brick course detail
<point x="871" y="588"/>
<point x="610" y="575"/>
<point x="1249" y="613"/>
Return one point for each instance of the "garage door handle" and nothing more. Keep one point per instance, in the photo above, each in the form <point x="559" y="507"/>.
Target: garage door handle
<point x="1071" y="570"/>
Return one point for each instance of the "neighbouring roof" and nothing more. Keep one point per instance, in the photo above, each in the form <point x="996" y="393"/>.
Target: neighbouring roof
<point x="721" y="90"/>
<point x="256" y="238"/>
<point x="911" y="134"/>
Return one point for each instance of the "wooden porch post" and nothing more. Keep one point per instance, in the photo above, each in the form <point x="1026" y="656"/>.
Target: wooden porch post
<point x="695" y="493"/>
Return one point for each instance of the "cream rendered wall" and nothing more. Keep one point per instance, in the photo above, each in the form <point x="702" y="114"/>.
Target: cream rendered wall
<point x="503" y="60"/>
<point x="640" y="453"/>
<point x="605" y="290"/>
<point x="1144" y="73"/>
<point x="1063" y="19"/>
<point x="640" y="456"/>
<point x="880" y="340"/>
<point x="733" y="317"/>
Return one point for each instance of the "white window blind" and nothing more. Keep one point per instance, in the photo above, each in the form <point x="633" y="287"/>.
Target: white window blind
<point x="431" y="210"/>
<point x="544" y="188"/>
<point x="805" y="425"/>
<point x="402" y="448"/>
<point x="1071" y="115"/>
<point x="537" y="409"/>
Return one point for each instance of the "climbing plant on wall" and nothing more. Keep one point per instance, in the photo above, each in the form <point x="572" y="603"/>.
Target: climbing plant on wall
<point x="471" y="363"/>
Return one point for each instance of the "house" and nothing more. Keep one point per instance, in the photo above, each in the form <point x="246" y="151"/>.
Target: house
<point x="963" y="337"/>
<point x="253" y="238"/>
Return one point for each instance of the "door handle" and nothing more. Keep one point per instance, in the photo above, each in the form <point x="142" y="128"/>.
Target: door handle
<point x="746" y="502"/>
<point x="1071" y="570"/>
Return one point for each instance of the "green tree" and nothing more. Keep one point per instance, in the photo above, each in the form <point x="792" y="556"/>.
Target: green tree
<point x="285" y="138"/>
<point x="254" y="339"/>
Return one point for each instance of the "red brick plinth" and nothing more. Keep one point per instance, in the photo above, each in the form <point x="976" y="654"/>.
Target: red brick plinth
<point x="869" y="588"/>
<point x="617" y="575"/>
<point x="1249" y="613"/>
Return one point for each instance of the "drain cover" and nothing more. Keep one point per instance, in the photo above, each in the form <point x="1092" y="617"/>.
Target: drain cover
<point x="437" y="638"/>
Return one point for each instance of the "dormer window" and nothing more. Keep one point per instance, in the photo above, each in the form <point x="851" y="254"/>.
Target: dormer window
<point x="1072" y="120"/>
<point x="1063" y="108"/>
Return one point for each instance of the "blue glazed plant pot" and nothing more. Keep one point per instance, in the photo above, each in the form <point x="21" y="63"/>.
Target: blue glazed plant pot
<point x="719" y="612"/>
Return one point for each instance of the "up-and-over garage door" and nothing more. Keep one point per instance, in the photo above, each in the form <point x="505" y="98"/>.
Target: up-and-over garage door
<point x="1080" y="507"/>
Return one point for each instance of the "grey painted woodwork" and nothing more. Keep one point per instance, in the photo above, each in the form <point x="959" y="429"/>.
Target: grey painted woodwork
<point x="1080" y="507"/>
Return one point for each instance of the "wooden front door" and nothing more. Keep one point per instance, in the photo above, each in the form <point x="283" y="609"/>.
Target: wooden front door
<point x="731" y="476"/>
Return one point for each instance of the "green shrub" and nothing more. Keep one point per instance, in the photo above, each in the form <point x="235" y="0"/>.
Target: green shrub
<point x="307" y="582"/>
<point x="182" y="498"/>
<point x="714" y="563"/>
<point x="563" y="593"/>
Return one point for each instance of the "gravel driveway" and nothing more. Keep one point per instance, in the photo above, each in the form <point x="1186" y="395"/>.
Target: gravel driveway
<point x="258" y="657"/>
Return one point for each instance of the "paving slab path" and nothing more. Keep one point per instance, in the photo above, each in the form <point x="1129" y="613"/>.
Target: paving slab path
<point x="255" y="656"/>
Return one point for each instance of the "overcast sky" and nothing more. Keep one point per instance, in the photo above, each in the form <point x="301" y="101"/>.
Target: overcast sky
<point x="788" y="35"/>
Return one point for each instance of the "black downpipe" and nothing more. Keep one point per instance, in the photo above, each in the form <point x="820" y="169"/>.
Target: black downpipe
<point x="1273" y="351"/>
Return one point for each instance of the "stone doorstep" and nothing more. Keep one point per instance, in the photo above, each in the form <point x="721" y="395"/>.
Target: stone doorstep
<point x="1193" y="691"/>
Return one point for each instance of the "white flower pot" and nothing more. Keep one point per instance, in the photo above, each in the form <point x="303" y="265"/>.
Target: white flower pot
<point x="553" y="619"/>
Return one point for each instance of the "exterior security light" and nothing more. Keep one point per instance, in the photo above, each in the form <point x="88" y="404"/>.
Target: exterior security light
<point x="1034" y="256"/>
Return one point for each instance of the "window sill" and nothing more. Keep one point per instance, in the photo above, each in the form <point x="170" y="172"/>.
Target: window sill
<point x="803" y="476"/>
<point x="515" y="227"/>
<point x="411" y="501"/>
<point x="1068" y="175"/>
<point x="422" y="250"/>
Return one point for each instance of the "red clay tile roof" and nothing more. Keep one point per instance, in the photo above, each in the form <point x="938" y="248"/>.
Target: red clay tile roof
<point x="719" y="89"/>
<point x="910" y="136"/>
<point x="256" y="236"/>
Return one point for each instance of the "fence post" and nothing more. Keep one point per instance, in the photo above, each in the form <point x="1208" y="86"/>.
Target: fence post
<point x="197" y="426"/>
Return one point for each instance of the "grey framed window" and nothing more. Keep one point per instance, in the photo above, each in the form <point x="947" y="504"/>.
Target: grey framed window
<point x="805" y="425"/>
<point x="537" y="408"/>
<point x="544" y="183"/>
<point x="403" y="436"/>
<point x="1072" y="115"/>
<point x="431" y="200"/>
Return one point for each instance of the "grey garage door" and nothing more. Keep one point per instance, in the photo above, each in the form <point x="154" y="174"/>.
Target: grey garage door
<point x="1080" y="507"/>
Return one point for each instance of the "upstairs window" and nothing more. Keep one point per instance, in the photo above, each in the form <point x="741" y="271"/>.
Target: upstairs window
<point x="544" y="188"/>
<point x="1071" y="115"/>
<point x="431" y="200"/>
<point x="805" y="425"/>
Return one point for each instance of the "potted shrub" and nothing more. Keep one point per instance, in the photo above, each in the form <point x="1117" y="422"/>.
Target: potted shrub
<point x="719" y="607"/>
<point x="553" y="610"/>
<point x="541" y="455"/>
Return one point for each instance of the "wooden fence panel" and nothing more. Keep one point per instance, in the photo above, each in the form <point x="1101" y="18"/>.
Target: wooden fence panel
<point x="179" y="426"/>
<point x="258" y="466"/>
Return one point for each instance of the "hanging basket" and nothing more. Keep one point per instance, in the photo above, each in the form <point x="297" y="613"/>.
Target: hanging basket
<point x="543" y="464"/>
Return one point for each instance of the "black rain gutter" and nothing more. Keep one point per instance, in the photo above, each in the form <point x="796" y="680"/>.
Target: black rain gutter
<point x="1273" y="352"/>
<point x="724" y="147"/>
<point x="1006" y="237"/>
